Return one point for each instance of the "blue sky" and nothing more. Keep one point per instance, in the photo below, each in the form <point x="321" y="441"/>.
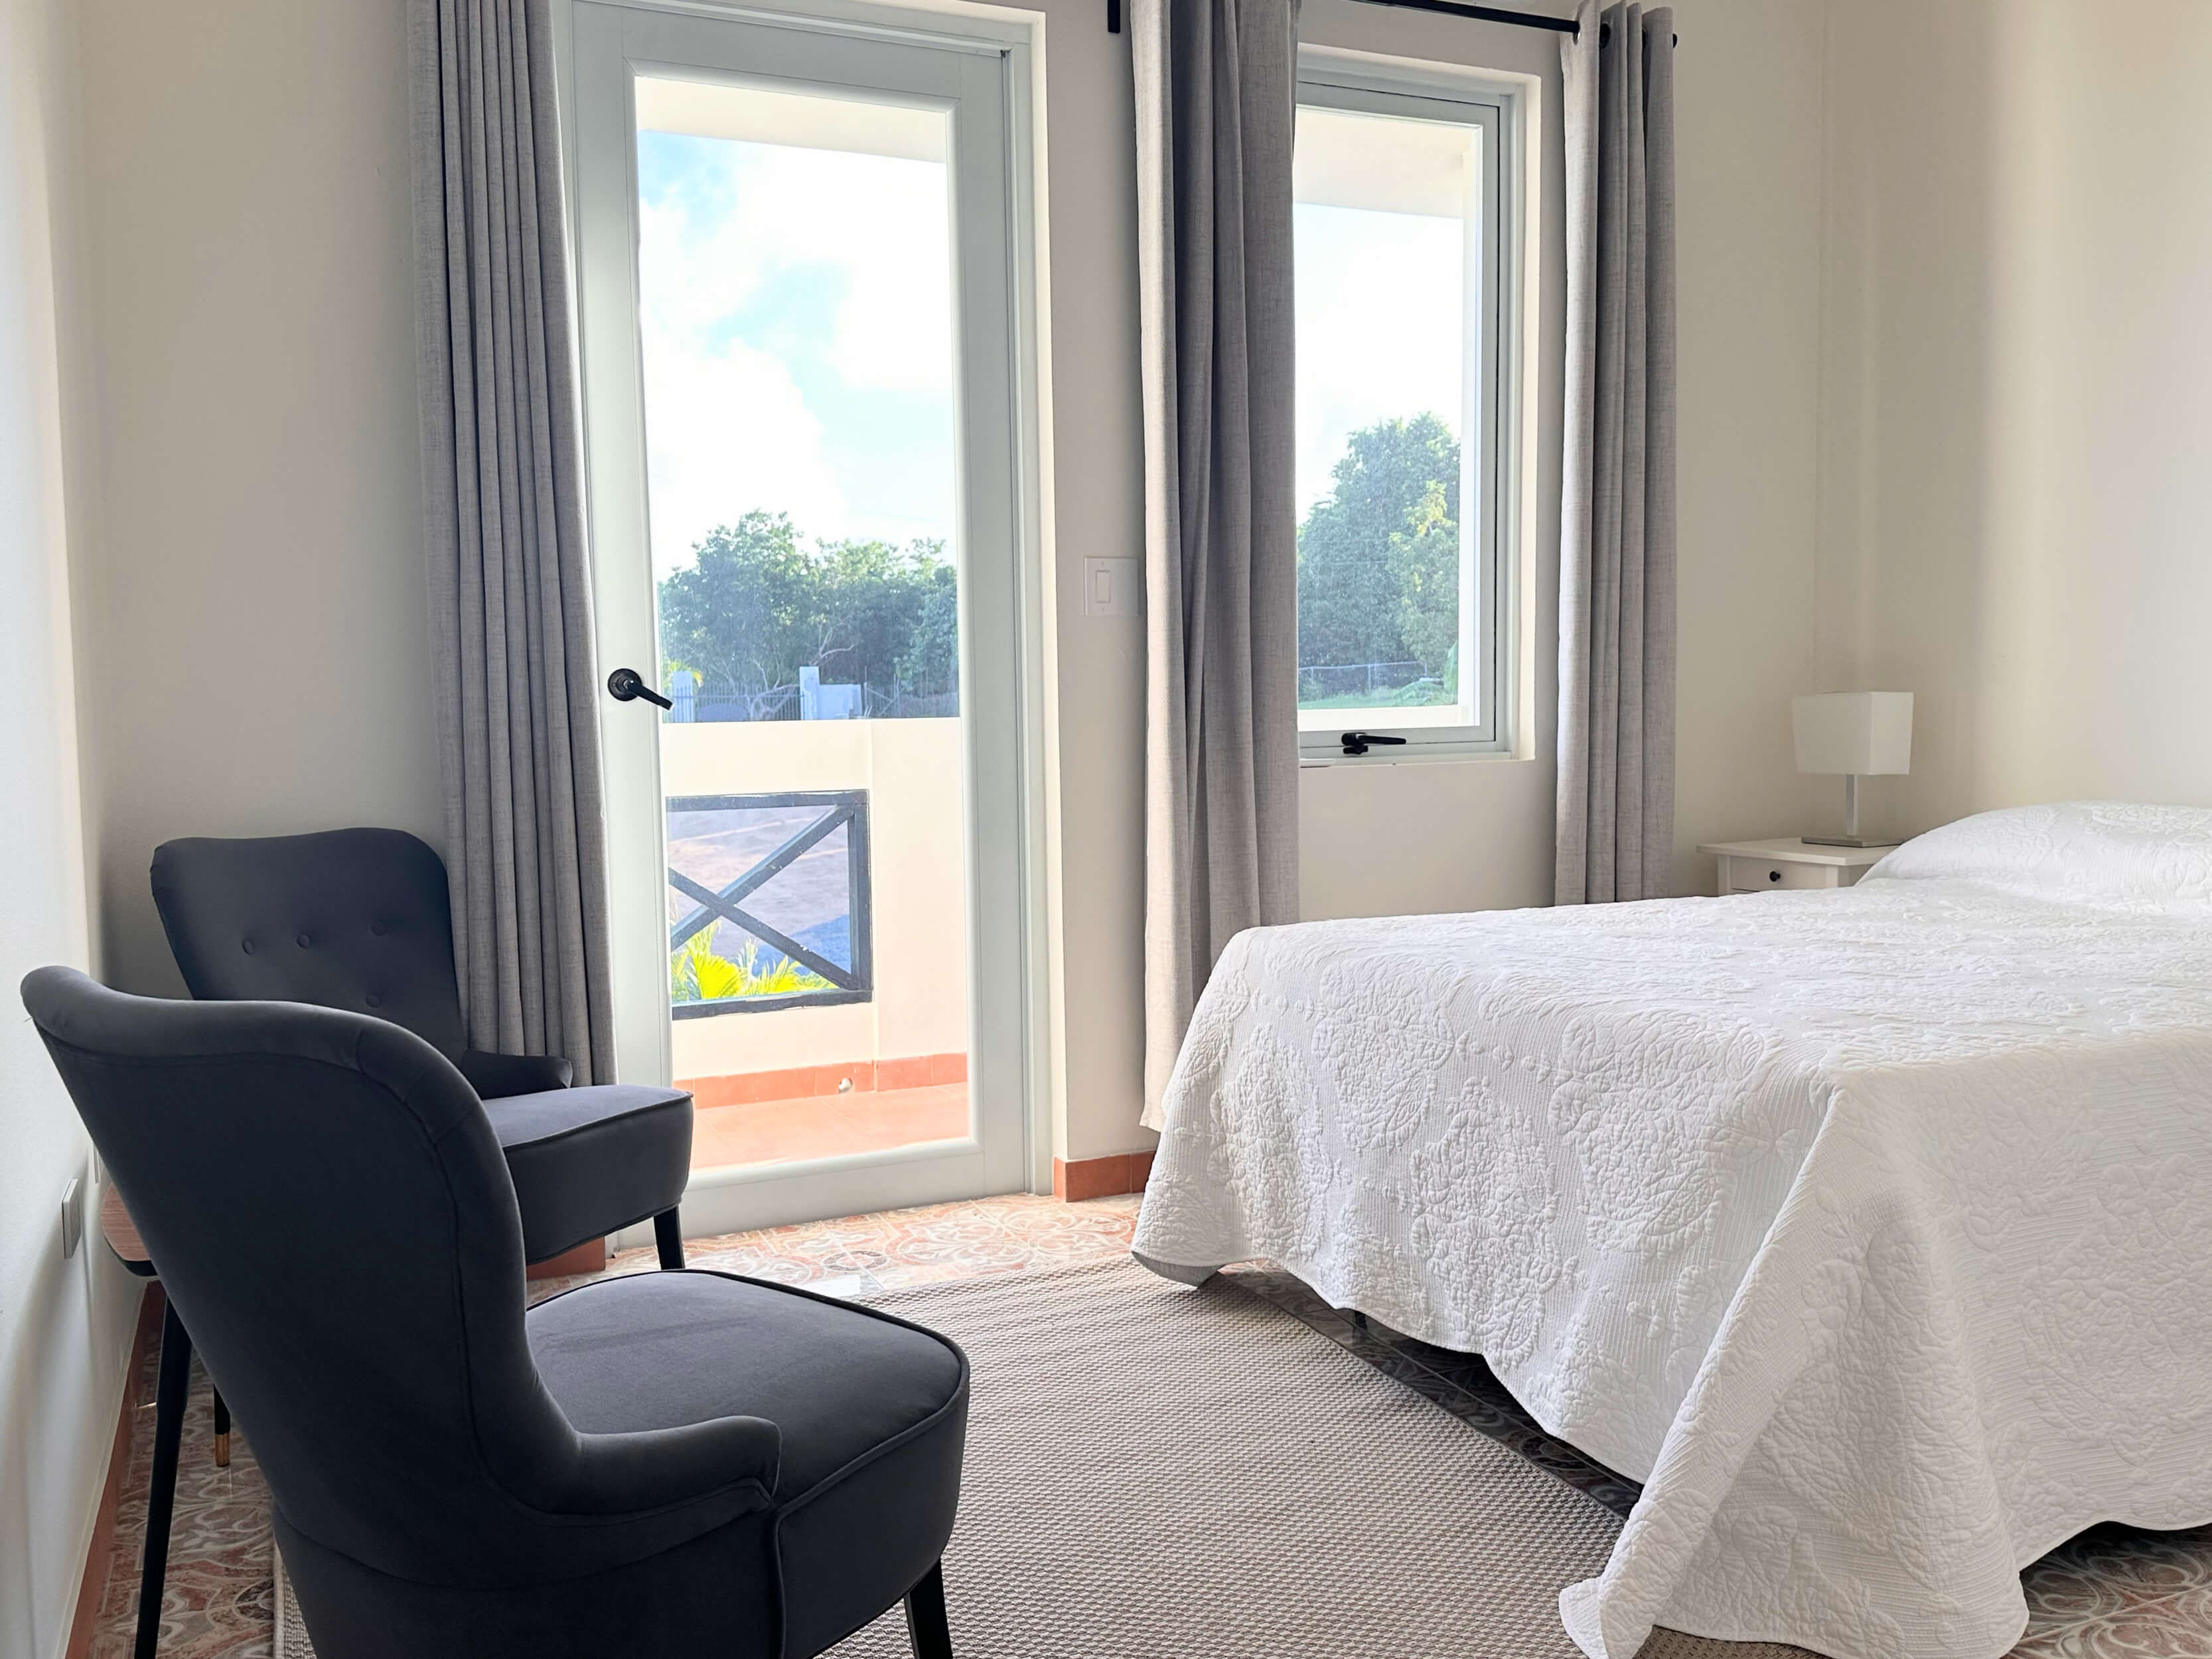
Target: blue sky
<point x="796" y="313"/>
<point x="795" y="306"/>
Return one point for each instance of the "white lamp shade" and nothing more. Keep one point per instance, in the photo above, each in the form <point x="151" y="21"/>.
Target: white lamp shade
<point x="1862" y="733"/>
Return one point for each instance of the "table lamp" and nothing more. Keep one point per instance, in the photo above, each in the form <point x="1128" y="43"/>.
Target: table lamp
<point x="1858" y="733"/>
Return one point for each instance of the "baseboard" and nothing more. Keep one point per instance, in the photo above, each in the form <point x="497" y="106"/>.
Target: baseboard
<point x="1072" y="1181"/>
<point x="804" y="1081"/>
<point x="92" y="1585"/>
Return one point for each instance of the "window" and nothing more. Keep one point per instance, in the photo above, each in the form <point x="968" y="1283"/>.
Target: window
<point x="1400" y="224"/>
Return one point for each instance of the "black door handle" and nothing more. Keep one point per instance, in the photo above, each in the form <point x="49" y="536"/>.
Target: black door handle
<point x="623" y="684"/>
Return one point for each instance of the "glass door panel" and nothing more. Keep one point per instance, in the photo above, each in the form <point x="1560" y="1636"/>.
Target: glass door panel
<point x="795" y="306"/>
<point x="798" y="483"/>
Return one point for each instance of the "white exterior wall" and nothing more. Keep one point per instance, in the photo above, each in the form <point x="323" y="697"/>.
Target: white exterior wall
<point x="917" y="889"/>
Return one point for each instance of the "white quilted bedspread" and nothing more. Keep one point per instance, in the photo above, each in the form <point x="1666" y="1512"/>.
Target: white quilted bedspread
<point x="1871" y="1229"/>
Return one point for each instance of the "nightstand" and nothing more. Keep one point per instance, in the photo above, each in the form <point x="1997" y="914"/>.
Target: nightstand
<point x="1788" y="865"/>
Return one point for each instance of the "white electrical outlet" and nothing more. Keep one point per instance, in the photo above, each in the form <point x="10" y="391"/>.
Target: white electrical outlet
<point x="1112" y="586"/>
<point x="72" y="1216"/>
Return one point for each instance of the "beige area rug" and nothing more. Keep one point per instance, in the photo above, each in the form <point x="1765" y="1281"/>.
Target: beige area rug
<point x="1155" y="1473"/>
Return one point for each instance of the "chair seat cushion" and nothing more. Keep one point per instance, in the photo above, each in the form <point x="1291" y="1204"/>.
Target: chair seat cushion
<point x="873" y="1414"/>
<point x="586" y="1162"/>
<point x="653" y="1351"/>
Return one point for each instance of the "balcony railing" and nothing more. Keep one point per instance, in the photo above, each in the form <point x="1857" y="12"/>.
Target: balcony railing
<point x="802" y="968"/>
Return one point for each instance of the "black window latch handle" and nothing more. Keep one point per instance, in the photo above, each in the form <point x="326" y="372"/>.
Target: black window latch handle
<point x="623" y="684"/>
<point x="1357" y="742"/>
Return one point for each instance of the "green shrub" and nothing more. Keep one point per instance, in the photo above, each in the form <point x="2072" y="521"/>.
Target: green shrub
<point x="697" y="974"/>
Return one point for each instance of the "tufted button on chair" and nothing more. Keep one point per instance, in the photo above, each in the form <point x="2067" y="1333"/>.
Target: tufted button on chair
<point x="360" y="920"/>
<point x="643" y="1467"/>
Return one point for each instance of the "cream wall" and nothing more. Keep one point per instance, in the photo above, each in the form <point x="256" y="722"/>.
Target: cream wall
<point x="1749" y="97"/>
<point x="262" y="571"/>
<point x="64" y="1322"/>
<point x="2017" y="399"/>
<point x="257" y="647"/>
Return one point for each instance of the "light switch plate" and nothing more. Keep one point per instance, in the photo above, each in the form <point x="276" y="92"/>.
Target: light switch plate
<point x="1113" y="587"/>
<point x="72" y="1216"/>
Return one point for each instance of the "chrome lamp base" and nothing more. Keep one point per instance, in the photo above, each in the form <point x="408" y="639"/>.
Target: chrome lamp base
<point x="1850" y="836"/>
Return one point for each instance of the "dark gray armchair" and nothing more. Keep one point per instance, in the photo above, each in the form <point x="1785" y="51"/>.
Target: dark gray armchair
<point x="675" y="1463"/>
<point x="360" y="920"/>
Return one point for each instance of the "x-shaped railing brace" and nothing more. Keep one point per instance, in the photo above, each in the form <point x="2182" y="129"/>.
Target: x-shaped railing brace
<point x="723" y="907"/>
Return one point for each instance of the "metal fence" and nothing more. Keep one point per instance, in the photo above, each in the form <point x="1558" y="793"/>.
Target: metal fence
<point x="725" y="700"/>
<point x="1318" y="682"/>
<point x="715" y="701"/>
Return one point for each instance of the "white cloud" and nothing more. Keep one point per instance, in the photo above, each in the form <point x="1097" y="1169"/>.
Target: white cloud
<point x="730" y="426"/>
<point x="727" y="433"/>
<point x="881" y="223"/>
<point x="1380" y="327"/>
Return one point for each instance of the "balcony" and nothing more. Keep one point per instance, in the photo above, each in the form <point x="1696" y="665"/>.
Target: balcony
<point x="818" y="938"/>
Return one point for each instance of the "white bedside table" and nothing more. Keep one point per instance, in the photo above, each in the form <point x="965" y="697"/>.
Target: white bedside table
<point x="1788" y="865"/>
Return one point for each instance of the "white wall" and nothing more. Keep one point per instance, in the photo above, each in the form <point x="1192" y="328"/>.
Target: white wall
<point x="2017" y="406"/>
<point x="1748" y="101"/>
<point x="259" y="652"/>
<point x="64" y="1324"/>
<point x="263" y="568"/>
<point x="1474" y="835"/>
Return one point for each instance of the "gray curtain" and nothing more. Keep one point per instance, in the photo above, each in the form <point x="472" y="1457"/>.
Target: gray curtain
<point x="1214" y="83"/>
<point x="510" y="595"/>
<point x="1616" y="806"/>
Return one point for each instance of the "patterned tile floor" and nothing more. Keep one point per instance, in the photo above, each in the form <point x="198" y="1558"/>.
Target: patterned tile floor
<point x="2113" y="1593"/>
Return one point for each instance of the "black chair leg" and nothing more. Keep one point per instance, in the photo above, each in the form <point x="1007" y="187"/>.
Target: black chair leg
<point x="169" y="1396"/>
<point x="221" y="1432"/>
<point x="668" y="1235"/>
<point x="925" y="1626"/>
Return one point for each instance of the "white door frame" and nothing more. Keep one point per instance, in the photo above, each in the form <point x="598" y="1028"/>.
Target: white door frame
<point x="1008" y="881"/>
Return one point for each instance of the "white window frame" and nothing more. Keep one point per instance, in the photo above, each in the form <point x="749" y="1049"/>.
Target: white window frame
<point x="1491" y="436"/>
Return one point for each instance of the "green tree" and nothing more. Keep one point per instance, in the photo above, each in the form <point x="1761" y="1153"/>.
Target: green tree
<point x="1378" y="557"/>
<point x="749" y="610"/>
<point x="873" y="599"/>
<point x="930" y="666"/>
<point x="755" y="606"/>
<point x="1423" y="557"/>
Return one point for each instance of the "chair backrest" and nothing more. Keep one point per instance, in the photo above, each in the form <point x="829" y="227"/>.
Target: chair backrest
<point x="328" y="1209"/>
<point x="353" y="918"/>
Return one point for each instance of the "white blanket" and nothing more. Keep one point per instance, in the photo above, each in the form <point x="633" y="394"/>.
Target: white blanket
<point x="1871" y="1229"/>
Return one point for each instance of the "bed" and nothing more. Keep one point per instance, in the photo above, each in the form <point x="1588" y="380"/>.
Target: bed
<point x="1870" y="1229"/>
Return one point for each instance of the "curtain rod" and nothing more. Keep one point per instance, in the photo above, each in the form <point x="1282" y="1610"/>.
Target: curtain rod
<point x="1526" y="20"/>
<point x="1530" y="20"/>
<point x="1481" y="13"/>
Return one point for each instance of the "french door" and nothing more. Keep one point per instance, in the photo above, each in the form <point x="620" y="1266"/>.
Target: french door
<point x="797" y="293"/>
